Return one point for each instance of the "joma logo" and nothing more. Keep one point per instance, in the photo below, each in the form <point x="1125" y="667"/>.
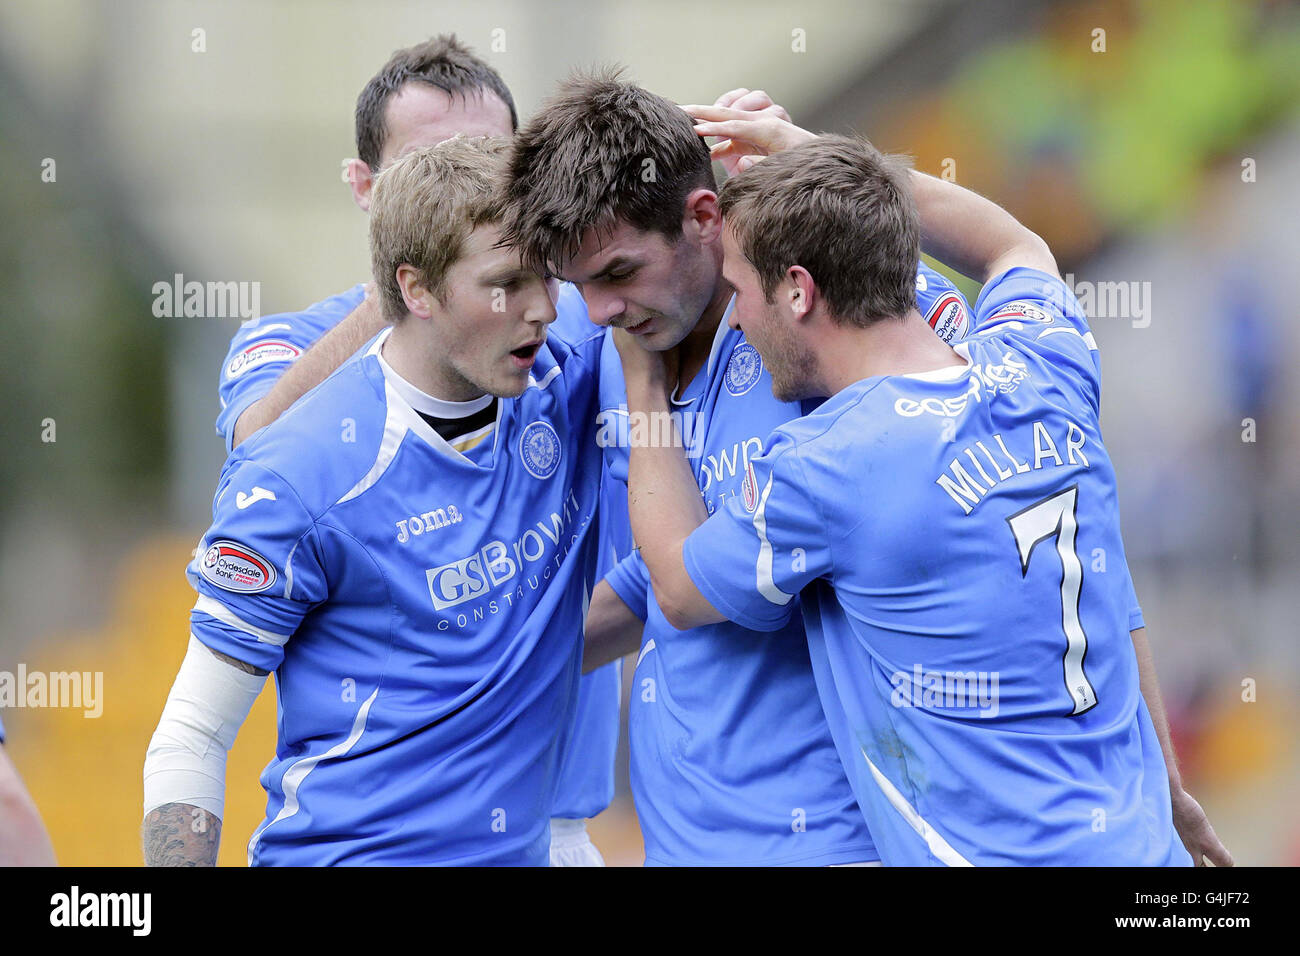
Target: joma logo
<point x="434" y="520"/>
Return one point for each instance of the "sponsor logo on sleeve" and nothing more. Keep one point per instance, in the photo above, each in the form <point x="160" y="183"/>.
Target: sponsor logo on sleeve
<point x="259" y="493"/>
<point x="743" y="369"/>
<point x="948" y="318"/>
<point x="260" y="353"/>
<point x="539" y="449"/>
<point x="233" y="567"/>
<point x="1021" y="310"/>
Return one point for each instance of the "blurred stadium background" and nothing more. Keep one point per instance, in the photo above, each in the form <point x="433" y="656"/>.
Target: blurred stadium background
<point x="1161" y="154"/>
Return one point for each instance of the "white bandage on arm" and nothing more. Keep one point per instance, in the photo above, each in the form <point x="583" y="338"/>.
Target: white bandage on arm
<point x="186" y="762"/>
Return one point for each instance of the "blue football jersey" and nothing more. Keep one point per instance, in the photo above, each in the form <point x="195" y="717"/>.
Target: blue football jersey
<point x="424" y="678"/>
<point x="732" y="761"/>
<point x="259" y="355"/>
<point x="589" y="747"/>
<point x="263" y="348"/>
<point x="955" y="535"/>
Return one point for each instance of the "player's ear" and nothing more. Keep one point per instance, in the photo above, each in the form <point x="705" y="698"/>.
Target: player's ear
<point x="701" y="218"/>
<point x="800" y="289"/>
<point x="417" y="298"/>
<point x="361" y="180"/>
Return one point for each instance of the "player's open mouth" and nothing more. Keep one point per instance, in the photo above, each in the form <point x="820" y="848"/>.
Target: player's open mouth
<point x="640" y="328"/>
<point x="525" y="355"/>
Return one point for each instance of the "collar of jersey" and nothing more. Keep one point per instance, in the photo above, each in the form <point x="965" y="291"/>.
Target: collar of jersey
<point x="405" y="398"/>
<point x="696" y="385"/>
<point x="949" y="373"/>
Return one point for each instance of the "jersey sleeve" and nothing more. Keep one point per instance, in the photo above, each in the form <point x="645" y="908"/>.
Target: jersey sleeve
<point x="1135" y="619"/>
<point x="630" y="579"/>
<point x="612" y="422"/>
<point x="1040" y="313"/>
<point x="258" y="568"/>
<point x="754" y="555"/>
<point x="942" y="305"/>
<point x="260" y="353"/>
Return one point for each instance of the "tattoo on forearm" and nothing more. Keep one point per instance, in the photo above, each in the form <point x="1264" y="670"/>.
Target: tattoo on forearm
<point x="236" y="662"/>
<point x="180" y="835"/>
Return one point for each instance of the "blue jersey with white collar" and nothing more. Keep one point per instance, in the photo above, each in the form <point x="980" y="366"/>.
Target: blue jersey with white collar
<point x="423" y="679"/>
<point x="732" y="761"/>
<point x="260" y="353"/>
<point x="954" y="540"/>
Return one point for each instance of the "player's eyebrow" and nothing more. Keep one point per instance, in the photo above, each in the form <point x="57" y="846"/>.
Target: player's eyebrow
<point x="617" y="262"/>
<point x="504" y="274"/>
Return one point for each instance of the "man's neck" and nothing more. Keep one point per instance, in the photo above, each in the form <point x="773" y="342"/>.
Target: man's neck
<point x="409" y="357"/>
<point x="849" y="353"/>
<point x="693" y="351"/>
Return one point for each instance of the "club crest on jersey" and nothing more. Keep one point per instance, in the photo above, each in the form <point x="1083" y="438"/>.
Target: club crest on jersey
<point x="260" y="353"/>
<point x="539" y="449"/>
<point x="233" y="567"/>
<point x="743" y="370"/>
<point x="948" y="318"/>
<point x="1021" y="310"/>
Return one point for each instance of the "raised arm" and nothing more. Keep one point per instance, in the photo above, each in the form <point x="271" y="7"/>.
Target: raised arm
<point x="185" y="767"/>
<point x="959" y="227"/>
<point x="314" y="366"/>
<point x="657" y="475"/>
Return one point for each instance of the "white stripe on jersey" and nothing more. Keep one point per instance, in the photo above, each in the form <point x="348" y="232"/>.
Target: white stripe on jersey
<point x="937" y="844"/>
<point x="296" y="774"/>
<point x="766" y="584"/>
<point x="216" y="609"/>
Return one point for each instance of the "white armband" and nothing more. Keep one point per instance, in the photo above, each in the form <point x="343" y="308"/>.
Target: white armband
<point x="208" y="703"/>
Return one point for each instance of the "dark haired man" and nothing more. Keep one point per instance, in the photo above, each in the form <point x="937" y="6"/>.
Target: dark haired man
<point x="731" y="758"/>
<point x="980" y="684"/>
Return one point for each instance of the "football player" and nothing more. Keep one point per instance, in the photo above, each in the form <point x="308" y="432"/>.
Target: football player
<point x="732" y="761"/>
<point x="408" y="548"/>
<point x="979" y="681"/>
<point x="423" y="95"/>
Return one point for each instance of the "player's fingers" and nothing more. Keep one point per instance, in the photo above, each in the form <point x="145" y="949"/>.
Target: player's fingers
<point x="743" y="129"/>
<point x="730" y="97"/>
<point x="752" y="101"/>
<point x="713" y="113"/>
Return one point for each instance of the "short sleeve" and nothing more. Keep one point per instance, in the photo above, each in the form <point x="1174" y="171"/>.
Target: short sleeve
<point x="630" y="579"/>
<point x="258" y="568"/>
<point x="942" y="305"/>
<point x="1040" y="313"/>
<point x="261" y="351"/>
<point x="754" y="555"/>
<point x="1135" y="618"/>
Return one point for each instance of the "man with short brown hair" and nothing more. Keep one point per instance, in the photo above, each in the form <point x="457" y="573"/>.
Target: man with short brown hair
<point x="409" y="548"/>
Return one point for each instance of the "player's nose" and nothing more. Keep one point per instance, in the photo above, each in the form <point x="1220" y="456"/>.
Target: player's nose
<point x="603" y="310"/>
